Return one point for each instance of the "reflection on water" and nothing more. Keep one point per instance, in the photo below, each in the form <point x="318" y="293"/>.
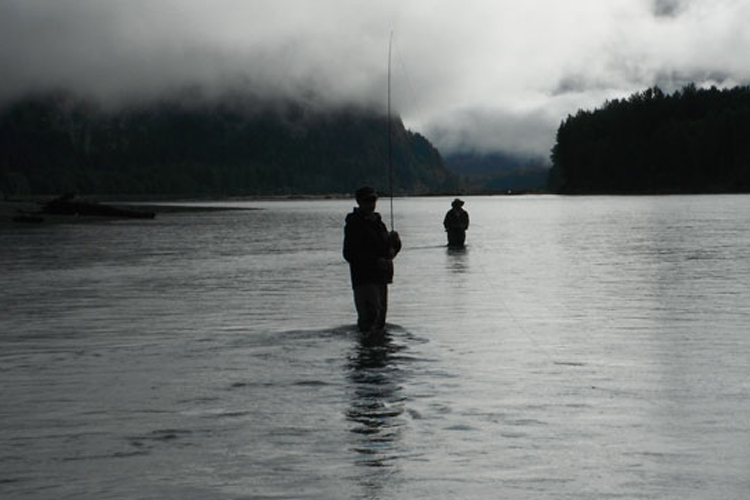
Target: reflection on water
<point x="377" y="400"/>
<point x="376" y="412"/>
<point x="457" y="259"/>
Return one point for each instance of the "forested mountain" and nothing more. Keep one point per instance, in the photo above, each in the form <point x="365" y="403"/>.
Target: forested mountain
<point x="56" y="143"/>
<point x="497" y="171"/>
<point x="694" y="140"/>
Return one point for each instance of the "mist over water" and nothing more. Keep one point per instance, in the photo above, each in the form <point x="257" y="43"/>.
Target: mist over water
<point x="579" y="347"/>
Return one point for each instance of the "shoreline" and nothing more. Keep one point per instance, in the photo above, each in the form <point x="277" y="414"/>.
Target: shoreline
<point x="12" y="208"/>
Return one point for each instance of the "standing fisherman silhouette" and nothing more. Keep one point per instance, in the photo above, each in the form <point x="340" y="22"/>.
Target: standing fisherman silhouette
<point x="369" y="248"/>
<point x="456" y="223"/>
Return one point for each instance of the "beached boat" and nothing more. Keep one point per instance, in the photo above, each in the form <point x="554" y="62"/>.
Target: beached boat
<point x="70" y="205"/>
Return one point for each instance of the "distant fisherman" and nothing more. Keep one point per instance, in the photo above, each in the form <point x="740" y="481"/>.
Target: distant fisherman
<point x="369" y="248"/>
<point x="456" y="223"/>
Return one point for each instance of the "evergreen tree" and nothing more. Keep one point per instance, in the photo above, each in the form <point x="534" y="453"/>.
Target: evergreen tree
<point x="694" y="140"/>
<point x="56" y="143"/>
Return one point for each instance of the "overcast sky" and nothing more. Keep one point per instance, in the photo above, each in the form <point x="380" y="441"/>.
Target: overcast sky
<point x="469" y="74"/>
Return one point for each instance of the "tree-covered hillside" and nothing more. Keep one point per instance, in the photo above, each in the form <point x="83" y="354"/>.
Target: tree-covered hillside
<point x="694" y="140"/>
<point x="59" y="143"/>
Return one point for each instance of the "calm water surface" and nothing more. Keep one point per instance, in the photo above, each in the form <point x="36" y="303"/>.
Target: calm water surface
<point x="578" y="348"/>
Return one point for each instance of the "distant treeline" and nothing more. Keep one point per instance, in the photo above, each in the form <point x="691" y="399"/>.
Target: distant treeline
<point x="495" y="172"/>
<point x="691" y="141"/>
<point x="57" y="143"/>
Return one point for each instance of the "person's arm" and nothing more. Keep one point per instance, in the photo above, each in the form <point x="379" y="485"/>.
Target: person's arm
<point x="394" y="243"/>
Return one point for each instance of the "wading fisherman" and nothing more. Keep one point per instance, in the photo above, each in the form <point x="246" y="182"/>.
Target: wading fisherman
<point x="456" y="223"/>
<point x="369" y="248"/>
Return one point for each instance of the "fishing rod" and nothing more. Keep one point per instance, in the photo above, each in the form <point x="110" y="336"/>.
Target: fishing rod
<point x="390" y="153"/>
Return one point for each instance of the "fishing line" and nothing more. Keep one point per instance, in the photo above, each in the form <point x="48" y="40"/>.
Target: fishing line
<point x="400" y="59"/>
<point x="390" y="145"/>
<point x="531" y="338"/>
<point x="393" y="46"/>
<point x="583" y="381"/>
<point x="509" y="312"/>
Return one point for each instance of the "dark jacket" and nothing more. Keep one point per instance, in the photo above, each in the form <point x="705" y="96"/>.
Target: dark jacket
<point x="457" y="219"/>
<point x="369" y="248"/>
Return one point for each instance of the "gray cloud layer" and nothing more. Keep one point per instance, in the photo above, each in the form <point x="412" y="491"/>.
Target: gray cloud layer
<point x="472" y="74"/>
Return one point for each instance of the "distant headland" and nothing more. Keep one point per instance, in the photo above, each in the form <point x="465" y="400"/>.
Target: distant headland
<point x="58" y="142"/>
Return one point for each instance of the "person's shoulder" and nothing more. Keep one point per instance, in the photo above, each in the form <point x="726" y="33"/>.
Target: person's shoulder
<point x="352" y="216"/>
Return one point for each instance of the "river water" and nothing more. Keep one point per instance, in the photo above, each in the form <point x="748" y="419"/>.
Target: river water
<point x="578" y="348"/>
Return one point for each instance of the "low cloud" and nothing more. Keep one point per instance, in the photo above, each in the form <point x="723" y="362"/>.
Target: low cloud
<point x="480" y="74"/>
<point x="486" y="131"/>
<point x="668" y="8"/>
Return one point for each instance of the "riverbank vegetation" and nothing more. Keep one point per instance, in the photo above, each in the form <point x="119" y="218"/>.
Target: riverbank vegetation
<point x="192" y="146"/>
<point x="691" y="141"/>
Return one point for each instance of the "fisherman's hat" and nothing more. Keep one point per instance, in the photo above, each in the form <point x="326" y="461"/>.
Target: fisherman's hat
<point x="366" y="193"/>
